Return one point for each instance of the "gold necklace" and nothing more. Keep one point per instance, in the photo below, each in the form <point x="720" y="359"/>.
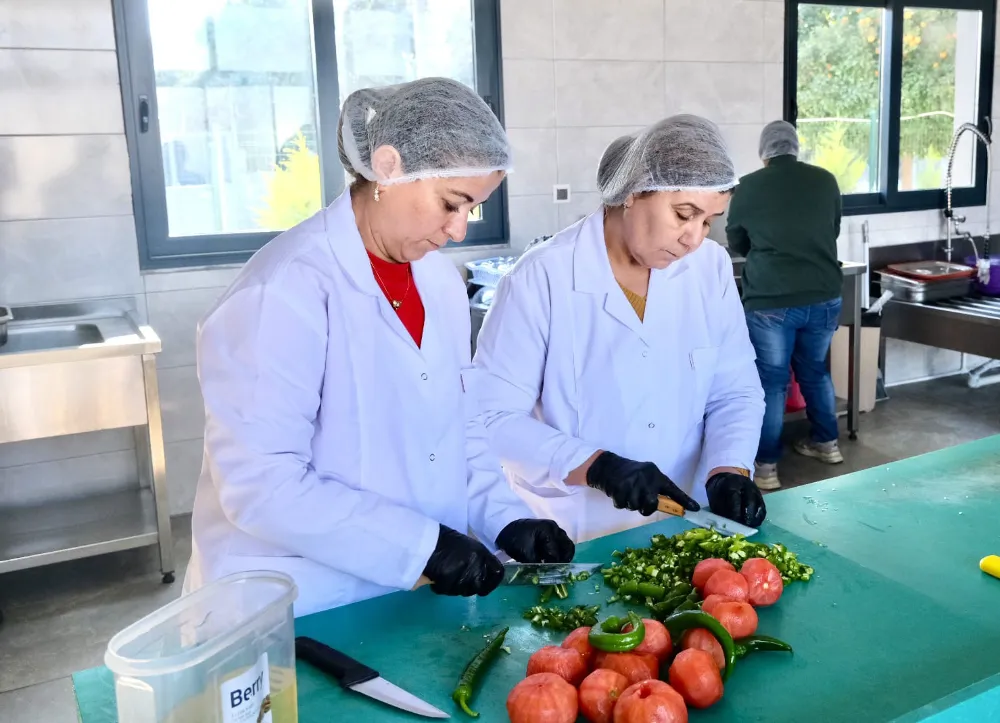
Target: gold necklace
<point x="396" y="303"/>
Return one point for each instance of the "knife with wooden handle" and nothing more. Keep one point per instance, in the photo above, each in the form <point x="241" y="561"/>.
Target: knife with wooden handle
<point x="703" y="518"/>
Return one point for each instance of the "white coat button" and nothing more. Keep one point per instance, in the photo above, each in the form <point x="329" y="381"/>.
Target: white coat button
<point x="424" y="376"/>
<point x="645" y="353"/>
<point x="651" y="425"/>
<point x="432" y="458"/>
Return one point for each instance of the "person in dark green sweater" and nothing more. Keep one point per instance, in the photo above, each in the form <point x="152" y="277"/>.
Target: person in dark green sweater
<point x="785" y="219"/>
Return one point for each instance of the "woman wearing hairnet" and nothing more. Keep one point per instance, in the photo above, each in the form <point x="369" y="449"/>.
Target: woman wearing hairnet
<point x="615" y="356"/>
<point x="341" y="441"/>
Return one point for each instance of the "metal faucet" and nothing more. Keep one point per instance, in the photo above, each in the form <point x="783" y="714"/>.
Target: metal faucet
<point x="952" y="220"/>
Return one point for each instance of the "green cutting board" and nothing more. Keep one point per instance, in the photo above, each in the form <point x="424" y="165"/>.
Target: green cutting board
<point x="898" y="624"/>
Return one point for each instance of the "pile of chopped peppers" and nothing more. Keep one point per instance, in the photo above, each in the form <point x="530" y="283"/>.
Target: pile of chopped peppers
<point x="554" y="618"/>
<point x="660" y="575"/>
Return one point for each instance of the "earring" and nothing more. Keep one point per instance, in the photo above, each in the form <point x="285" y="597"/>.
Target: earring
<point x="376" y="193"/>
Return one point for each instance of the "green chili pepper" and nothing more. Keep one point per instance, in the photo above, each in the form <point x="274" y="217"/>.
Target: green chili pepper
<point x="619" y="642"/>
<point x="760" y="643"/>
<point x="680" y="622"/>
<point x="688" y="603"/>
<point x="466" y="684"/>
<point x="546" y="594"/>
<point x="613" y="624"/>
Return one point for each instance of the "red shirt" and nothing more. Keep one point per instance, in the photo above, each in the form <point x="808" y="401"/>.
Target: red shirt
<point x="396" y="282"/>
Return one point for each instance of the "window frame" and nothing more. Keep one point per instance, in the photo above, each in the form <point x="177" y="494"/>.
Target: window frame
<point x="889" y="199"/>
<point x="157" y="250"/>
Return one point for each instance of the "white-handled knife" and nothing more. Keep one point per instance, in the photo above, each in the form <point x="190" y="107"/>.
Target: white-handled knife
<point x="706" y="519"/>
<point x="358" y="677"/>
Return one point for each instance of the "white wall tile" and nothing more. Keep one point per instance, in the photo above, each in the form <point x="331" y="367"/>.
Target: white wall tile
<point x="64" y="177"/>
<point x="743" y="142"/>
<point x="534" y="161"/>
<point x="531" y="217"/>
<point x="774" y="32"/>
<point x="64" y="259"/>
<point x="45" y="92"/>
<point x="721" y="92"/>
<point x="182" y="279"/>
<point x="909" y="362"/>
<point x="174" y="316"/>
<point x="608" y="93"/>
<point x="76" y="24"/>
<point x="183" y="469"/>
<point x="181" y="404"/>
<point x="526" y="28"/>
<point x="581" y="205"/>
<point x="579" y="152"/>
<point x="714" y="30"/>
<point x="529" y="93"/>
<point x="774" y="92"/>
<point x="601" y="30"/>
<point x="67" y="478"/>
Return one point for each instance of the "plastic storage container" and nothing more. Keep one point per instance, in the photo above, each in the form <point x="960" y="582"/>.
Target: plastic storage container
<point x="993" y="287"/>
<point x="223" y="654"/>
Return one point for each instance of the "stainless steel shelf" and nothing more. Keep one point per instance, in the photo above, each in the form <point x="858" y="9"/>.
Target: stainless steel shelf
<point x="32" y="536"/>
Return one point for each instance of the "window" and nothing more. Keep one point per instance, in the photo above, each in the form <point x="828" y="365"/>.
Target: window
<point x="877" y="89"/>
<point x="232" y="108"/>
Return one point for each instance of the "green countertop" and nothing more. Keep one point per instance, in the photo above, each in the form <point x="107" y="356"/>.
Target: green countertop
<point x="898" y="623"/>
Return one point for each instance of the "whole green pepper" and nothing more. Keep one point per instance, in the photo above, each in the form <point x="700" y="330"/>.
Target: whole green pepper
<point x="680" y="622"/>
<point x="619" y="642"/>
<point x="760" y="643"/>
<point x="466" y="684"/>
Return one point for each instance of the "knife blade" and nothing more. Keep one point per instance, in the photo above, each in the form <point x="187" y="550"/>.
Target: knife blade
<point x="359" y="678"/>
<point x="703" y="518"/>
<point x="545" y="573"/>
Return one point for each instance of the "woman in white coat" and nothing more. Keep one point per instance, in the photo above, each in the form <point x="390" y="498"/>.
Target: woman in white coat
<point x="615" y="357"/>
<point x="341" y="440"/>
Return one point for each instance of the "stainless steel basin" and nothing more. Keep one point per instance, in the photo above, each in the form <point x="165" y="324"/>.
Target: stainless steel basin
<point x="55" y="336"/>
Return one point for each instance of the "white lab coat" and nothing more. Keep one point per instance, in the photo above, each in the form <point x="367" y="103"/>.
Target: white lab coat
<point x="567" y="368"/>
<point x="333" y="444"/>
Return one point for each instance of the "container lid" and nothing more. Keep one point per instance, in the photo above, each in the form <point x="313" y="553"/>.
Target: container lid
<point x="196" y="626"/>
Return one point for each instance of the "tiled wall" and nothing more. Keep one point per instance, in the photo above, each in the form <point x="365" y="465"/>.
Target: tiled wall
<point x="577" y="73"/>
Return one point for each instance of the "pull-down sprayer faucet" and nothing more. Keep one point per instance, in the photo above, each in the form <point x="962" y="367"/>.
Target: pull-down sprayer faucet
<point x="952" y="220"/>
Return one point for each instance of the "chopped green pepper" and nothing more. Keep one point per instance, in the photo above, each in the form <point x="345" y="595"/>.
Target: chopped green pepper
<point x="680" y="622"/>
<point x="619" y="642"/>
<point x="466" y="684"/>
<point x="555" y="618"/>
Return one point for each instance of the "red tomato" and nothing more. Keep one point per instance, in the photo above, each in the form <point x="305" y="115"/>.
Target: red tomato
<point x="651" y="701"/>
<point x="567" y="663"/>
<point x="729" y="583"/>
<point x="696" y="677"/>
<point x="543" y="698"/>
<point x="764" y="580"/>
<point x="712" y="600"/>
<point x="701" y="639"/>
<point x="599" y="693"/>
<point x="706" y="568"/>
<point x="634" y="666"/>
<point x="657" y="639"/>
<point x="739" y="618"/>
<point x="579" y="640"/>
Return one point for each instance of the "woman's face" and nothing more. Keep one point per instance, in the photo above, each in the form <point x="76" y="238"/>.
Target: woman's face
<point x="413" y="219"/>
<point x="664" y="226"/>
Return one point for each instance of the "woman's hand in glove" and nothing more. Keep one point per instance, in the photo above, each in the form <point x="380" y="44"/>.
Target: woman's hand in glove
<point x="634" y="485"/>
<point x="460" y="565"/>
<point x="536" y="541"/>
<point x="736" y="497"/>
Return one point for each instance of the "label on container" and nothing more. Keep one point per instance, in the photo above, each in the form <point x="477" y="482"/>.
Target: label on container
<point x="247" y="697"/>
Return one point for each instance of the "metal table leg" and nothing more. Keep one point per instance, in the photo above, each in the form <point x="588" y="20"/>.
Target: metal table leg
<point x="156" y="466"/>
<point x="854" y="357"/>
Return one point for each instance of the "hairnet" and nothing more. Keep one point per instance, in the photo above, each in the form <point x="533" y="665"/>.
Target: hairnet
<point x="439" y="126"/>
<point x="779" y="139"/>
<point x="612" y="159"/>
<point x="681" y="153"/>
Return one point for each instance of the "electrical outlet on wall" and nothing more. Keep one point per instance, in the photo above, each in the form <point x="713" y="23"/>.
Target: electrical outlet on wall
<point x="560" y="193"/>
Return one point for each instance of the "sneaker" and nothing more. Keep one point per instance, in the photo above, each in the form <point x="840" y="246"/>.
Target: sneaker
<point x="825" y="452"/>
<point x="765" y="476"/>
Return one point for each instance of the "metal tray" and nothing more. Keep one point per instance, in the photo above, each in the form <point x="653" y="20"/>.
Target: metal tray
<point x="5" y="316"/>
<point x="919" y="292"/>
<point x="931" y="270"/>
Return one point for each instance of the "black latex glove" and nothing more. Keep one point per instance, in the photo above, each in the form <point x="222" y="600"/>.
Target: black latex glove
<point x="736" y="497"/>
<point x="634" y="485"/>
<point x="460" y="565"/>
<point x="536" y="541"/>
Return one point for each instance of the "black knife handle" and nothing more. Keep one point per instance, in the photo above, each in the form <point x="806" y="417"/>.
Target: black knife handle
<point x="345" y="669"/>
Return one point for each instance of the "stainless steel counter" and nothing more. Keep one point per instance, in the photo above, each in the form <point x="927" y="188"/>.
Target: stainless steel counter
<point x="968" y="324"/>
<point x="76" y="368"/>
<point x="850" y="317"/>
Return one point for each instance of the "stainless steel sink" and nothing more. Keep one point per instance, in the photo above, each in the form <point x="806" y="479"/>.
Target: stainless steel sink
<point x="56" y="336"/>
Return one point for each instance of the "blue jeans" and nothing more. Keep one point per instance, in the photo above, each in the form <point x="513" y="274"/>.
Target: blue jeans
<point x="799" y="336"/>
